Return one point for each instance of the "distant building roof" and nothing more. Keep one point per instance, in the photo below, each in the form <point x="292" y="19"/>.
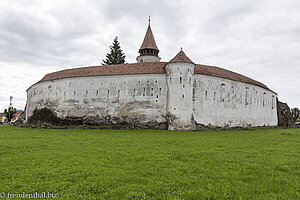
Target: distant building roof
<point x="18" y="113"/>
<point x="146" y="68"/>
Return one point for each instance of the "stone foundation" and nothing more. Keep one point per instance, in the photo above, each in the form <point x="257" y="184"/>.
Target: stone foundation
<point x="45" y="118"/>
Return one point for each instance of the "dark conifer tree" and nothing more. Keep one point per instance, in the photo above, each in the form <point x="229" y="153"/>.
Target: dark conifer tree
<point x="116" y="55"/>
<point x="10" y="113"/>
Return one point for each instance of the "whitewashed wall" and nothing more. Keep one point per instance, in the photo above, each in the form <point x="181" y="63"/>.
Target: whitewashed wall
<point x="178" y="96"/>
<point x="132" y="96"/>
<point x="180" y="81"/>
<point x="223" y="102"/>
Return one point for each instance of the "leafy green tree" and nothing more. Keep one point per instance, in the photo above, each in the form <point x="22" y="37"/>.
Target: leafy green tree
<point x="295" y="113"/>
<point x="10" y="113"/>
<point x="116" y="55"/>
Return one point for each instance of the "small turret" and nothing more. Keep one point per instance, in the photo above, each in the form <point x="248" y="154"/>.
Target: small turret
<point x="148" y="51"/>
<point x="181" y="57"/>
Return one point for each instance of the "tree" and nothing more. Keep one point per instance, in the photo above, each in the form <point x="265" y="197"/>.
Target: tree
<point x="116" y="55"/>
<point x="10" y="113"/>
<point x="295" y="113"/>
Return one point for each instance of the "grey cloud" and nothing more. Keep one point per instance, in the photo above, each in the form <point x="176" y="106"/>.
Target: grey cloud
<point x="259" y="39"/>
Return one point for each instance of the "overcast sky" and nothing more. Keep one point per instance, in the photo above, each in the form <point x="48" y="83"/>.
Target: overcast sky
<point x="258" y="38"/>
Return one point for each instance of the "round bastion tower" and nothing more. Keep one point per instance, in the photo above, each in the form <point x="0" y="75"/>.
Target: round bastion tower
<point x="148" y="51"/>
<point x="180" y="81"/>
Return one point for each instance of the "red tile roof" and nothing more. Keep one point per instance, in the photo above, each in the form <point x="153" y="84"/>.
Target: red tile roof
<point x="145" y="68"/>
<point x="149" y="42"/>
<point x="17" y="114"/>
<point x="223" y="73"/>
<point x="181" y="57"/>
<point x="122" y="69"/>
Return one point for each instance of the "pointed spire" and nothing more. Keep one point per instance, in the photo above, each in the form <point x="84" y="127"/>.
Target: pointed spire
<point x="181" y="57"/>
<point x="149" y="42"/>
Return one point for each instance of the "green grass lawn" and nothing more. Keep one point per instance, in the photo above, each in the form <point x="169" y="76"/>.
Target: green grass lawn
<point x="151" y="164"/>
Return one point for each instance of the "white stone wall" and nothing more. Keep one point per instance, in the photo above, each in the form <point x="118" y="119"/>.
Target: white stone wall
<point x="180" y="81"/>
<point x="131" y="96"/>
<point x="179" y="96"/>
<point x="222" y="102"/>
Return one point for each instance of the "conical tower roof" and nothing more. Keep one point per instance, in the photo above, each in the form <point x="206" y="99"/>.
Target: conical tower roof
<point x="181" y="57"/>
<point x="149" y="42"/>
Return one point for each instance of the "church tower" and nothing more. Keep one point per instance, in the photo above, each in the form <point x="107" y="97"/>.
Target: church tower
<point x="148" y="51"/>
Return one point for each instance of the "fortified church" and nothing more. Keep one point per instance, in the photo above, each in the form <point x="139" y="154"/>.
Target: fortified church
<point x="173" y="95"/>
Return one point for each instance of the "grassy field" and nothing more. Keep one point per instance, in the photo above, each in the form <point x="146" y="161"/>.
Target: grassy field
<point x="150" y="164"/>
